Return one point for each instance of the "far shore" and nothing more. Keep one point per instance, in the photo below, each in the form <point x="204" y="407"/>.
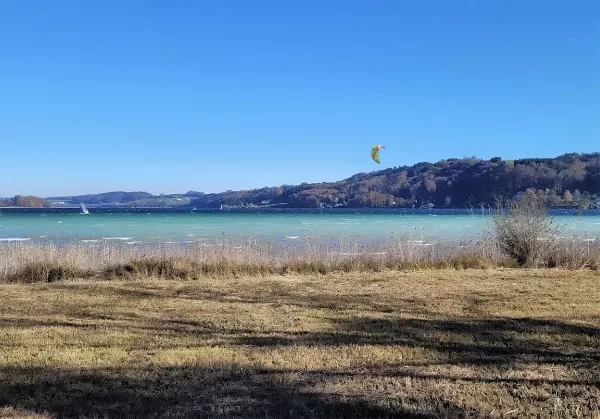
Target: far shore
<point x="188" y="208"/>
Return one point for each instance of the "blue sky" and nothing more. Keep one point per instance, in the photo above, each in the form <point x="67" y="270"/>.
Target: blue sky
<point x="169" y="96"/>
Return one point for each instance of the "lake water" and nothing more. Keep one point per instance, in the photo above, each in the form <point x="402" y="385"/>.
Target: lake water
<point x="163" y="226"/>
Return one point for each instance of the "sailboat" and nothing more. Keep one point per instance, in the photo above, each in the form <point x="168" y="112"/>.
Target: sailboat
<point x="84" y="210"/>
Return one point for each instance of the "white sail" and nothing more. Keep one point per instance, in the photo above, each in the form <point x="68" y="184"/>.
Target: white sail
<point x="84" y="210"/>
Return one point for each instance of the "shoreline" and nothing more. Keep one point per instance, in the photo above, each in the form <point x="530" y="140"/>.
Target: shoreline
<point x="277" y="208"/>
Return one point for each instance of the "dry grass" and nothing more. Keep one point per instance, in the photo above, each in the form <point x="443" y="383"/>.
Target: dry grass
<point x="39" y="262"/>
<point x="445" y="344"/>
<point x="8" y="412"/>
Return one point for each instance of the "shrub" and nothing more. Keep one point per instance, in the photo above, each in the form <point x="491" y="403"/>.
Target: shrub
<point x="523" y="230"/>
<point x="47" y="272"/>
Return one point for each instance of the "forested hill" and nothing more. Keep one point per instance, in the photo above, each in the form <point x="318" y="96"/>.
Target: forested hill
<point x="570" y="179"/>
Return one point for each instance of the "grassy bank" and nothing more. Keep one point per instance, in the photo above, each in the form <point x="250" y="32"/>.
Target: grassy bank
<point x="46" y="262"/>
<point x="495" y="343"/>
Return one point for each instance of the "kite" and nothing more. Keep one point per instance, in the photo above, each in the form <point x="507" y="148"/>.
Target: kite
<point x="375" y="153"/>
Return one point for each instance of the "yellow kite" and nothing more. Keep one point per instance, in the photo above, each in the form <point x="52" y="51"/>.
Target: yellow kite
<point x="375" y="153"/>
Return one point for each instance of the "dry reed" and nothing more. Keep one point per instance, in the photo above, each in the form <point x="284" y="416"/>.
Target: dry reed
<point x="47" y="262"/>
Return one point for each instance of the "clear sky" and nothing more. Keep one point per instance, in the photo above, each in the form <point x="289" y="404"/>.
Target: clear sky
<point x="173" y="95"/>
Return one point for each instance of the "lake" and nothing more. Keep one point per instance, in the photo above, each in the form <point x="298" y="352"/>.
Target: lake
<point x="163" y="226"/>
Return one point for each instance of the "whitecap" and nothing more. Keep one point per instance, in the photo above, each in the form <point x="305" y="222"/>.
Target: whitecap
<point x="15" y="239"/>
<point x="88" y="241"/>
<point x="418" y="243"/>
<point x="133" y="242"/>
<point x="291" y="237"/>
<point x="117" y="238"/>
<point x="357" y="253"/>
<point x="60" y="222"/>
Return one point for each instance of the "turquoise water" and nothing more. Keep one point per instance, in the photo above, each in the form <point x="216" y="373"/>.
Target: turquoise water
<point x="198" y="227"/>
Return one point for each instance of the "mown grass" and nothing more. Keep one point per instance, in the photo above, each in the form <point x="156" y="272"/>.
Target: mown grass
<point x="511" y="343"/>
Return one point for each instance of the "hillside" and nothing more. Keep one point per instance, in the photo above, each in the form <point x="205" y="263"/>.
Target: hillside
<point x="121" y="198"/>
<point x="571" y="179"/>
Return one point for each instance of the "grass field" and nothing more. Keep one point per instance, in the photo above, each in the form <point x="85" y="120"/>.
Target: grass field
<point x="440" y="343"/>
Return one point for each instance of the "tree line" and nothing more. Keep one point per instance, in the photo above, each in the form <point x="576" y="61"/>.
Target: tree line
<point x="24" y="201"/>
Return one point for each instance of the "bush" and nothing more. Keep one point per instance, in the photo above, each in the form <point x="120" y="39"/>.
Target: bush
<point x="523" y="230"/>
<point x="47" y="272"/>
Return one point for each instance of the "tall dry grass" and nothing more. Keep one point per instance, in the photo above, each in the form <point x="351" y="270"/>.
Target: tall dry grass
<point x="47" y="262"/>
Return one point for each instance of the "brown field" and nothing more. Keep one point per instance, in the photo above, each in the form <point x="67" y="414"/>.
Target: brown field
<point x="507" y="343"/>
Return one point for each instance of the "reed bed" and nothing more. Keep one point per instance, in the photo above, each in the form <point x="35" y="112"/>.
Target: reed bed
<point x="49" y="262"/>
